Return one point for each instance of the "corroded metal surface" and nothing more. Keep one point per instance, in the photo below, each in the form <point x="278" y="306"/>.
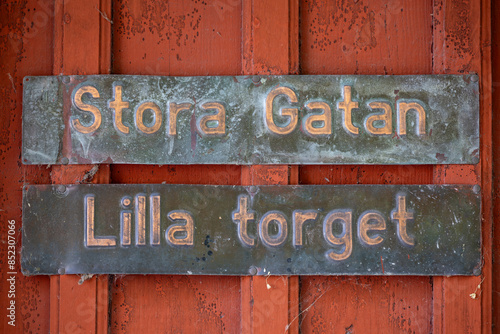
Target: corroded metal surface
<point x="421" y="119"/>
<point x="256" y="230"/>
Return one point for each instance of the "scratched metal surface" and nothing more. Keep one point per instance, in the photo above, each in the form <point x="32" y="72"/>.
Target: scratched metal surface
<point x="451" y="103"/>
<point x="446" y="231"/>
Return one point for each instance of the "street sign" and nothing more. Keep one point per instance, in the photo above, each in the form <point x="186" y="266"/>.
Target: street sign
<point x="324" y="119"/>
<point x="256" y="230"/>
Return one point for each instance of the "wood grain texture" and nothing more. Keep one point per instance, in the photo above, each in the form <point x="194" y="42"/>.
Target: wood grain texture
<point x="175" y="304"/>
<point x="457" y="36"/>
<point x="81" y="46"/>
<point x="361" y="37"/>
<point x="176" y="174"/>
<point x="270" y="37"/>
<point x="487" y="157"/>
<point x="366" y="305"/>
<point x="365" y="37"/>
<point x="79" y="307"/>
<point x="495" y="56"/>
<point x="25" y="49"/>
<point x="76" y="305"/>
<point x="212" y="38"/>
<point x="270" y="304"/>
<point x="176" y="38"/>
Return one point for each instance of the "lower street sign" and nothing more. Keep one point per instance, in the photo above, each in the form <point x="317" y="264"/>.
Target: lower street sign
<point x="255" y="230"/>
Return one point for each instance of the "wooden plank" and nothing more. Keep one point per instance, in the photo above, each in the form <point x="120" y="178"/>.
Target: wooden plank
<point x="495" y="57"/>
<point x="325" y="301"/>
<point x="81" y="46"/>
<point x="365" y="305"/>
<point x="266" y="301"/>
<point x="176" y="38"/>
<point x="357" y="37"/>
<point x="176" y="304"/>
<point x="458" y="300"/>
<point x="88" y="313"/>
<point x="180" y="174"/>
<point x="25" y="48"/>
<point x="487" y="170"/>
<point x="77" y="304"/>
<point x="270" y="46"/>
<point x="160" y="38"/>
<point x="293" y="37"/>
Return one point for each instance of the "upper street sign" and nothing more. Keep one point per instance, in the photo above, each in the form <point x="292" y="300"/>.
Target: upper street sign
<point x="325" y="119"/>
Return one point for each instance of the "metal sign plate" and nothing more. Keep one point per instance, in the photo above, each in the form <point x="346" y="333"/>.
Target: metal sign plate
<point x="235" y="230"/>
<point x="420" y="119"/>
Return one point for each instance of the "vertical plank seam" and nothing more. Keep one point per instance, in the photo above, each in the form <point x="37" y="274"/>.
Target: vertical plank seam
<point x="495" y="309"/>
<point x="293" y="171"/>
<point x="293" y="36"/>
<point x="96" y="298"/>
<point x="252" y="313"/>
<point x="441" y="305"/>
<point x="437" y="318"/>
<point x="58" y="33"/>
<point x="487" y="169"/>
<point x="251" y="69"/>
<point x="247" y="37"/>
<point x="105" y="31"/>
<point x="246" y="317"/>
<point x="57" y="54"/>
<point x="103" y="307"/>
<point x="472" y="315"/>
<point x="54" y="304"/>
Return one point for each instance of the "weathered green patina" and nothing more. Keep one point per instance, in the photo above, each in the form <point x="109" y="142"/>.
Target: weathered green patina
<point x="129" y="132"/>
<point x="441" y="233"/>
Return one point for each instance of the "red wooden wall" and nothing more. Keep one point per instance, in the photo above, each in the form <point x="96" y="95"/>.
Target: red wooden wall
<point x="231" y="37"/>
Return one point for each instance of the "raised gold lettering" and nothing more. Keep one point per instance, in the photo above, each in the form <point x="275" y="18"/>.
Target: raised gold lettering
<point x="90" y="239"/>
<point x="278" y="239"/>
<point x="403" y="108"/>
<point x="139" y="117"/>
<point x="345" y="239"/>
<point x="299" y="218"/>
<point x="370" y="221"/>
<point x="186" y="229"/>
<point x="241" y="217"/>
<point x="385" y="117"/>
<point x="173" y="111"/>
<point x="118" y="105"/>
<point x="77" y="102"/>
<point x="325" y="118"/>
<point x="401" y="217"/>
<point x="154" y="202"/>
<point x="126" y="222"/>
<point x="219" y="117"/>
<point x="346" y="106"/>
<point x="140" y="220"/>
<point x="291" y="113"/>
